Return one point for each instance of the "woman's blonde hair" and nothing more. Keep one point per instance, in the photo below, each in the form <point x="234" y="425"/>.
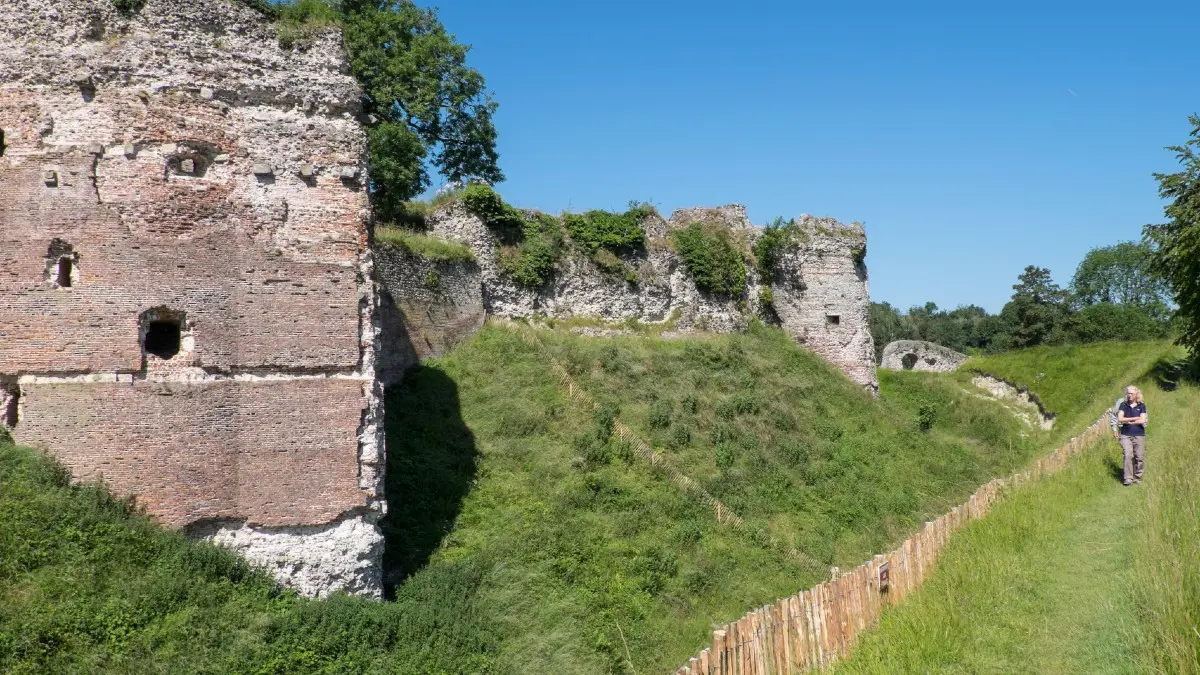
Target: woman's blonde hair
<point x="1137" y="393"/>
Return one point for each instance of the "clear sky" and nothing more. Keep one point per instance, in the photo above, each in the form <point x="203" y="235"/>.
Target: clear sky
<point x="971" y="138"/>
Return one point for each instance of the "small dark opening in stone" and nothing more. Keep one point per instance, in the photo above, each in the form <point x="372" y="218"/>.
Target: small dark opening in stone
<point x="909" y="361"/>
<point x="64" y="272"/>
<point x="3" y="147"/>
<point x="10" y="408"/>
<point x="833" y="319"/>
<point x="163" y="338"/>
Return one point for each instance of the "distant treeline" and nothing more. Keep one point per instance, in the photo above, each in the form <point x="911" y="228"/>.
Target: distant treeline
<point x="1113" y="296"/>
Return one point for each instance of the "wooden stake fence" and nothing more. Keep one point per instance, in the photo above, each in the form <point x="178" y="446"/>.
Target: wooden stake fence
<point x="813" y="628"/>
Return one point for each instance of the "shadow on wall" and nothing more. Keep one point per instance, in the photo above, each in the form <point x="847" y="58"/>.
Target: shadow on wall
<point x="431" y="464"/>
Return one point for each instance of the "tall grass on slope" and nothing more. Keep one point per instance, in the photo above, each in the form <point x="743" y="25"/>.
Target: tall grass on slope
<point x="89" y="586"/>
<point x="1168" y="551"/>
<point x="1074" y="381"/>
<point x="608" y="566"/>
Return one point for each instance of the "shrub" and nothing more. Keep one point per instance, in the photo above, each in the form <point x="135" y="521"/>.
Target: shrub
<point x="681" y="437"/>
<point x="724" y="454"/>
<point x="503" y="220"/>
<point x="926" y="415"/>
<point x="711" y="258"/>
<point x="432" y="280"/>
<point x="659" y="416"/>
<point x="534" y="242"/>
<point x="129" y="6"/>
<point x="596" y="230"/>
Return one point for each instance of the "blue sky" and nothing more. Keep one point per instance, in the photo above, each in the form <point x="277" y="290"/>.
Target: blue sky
<point x="971" y="138"/>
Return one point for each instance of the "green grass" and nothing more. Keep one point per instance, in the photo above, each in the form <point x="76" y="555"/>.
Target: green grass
<point x="1076" y="381"/>
<point x="1168" y="543"/>
<point x="1042" y="585"/>
<point x="1075" y="574"/>
<point x="522" y="537"/>
<point x="423" y="245"/>
<point x="87" y="585"/>
<point x="612" y="563"/>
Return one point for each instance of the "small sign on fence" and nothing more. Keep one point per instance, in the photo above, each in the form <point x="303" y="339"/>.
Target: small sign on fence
<point x="883" y="577"/>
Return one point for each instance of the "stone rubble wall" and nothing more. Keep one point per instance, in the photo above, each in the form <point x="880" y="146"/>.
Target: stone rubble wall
<point x="431" y="305"/>
<point x="187" y="165"/>
<point x="1028" y="407"/>
<point x="820" y="289"/>
<point x="921" y="356"/>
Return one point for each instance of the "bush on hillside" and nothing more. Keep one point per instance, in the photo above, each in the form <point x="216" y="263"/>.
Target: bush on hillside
<point x="711" y="258"/>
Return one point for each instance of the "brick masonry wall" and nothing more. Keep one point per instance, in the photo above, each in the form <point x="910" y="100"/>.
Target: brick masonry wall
<point x="274" y="453"/>
<point x="183" y="162"/>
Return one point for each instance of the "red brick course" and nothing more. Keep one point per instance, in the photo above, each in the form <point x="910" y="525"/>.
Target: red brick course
<point x="274" y="452"/>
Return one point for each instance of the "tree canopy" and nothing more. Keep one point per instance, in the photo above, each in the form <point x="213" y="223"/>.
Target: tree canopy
<point x="1121" y="274"/>
<point x="1176" y="256"/>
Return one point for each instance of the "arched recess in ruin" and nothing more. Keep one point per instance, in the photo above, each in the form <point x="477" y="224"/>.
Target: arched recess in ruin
<point x="164" y="333"/>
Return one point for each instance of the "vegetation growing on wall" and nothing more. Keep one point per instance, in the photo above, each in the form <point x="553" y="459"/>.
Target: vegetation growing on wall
<point x="712" y="258"/>
<point x="615" y="232"/>
<point x="530" y="243"/>
<point x="531" y="263"/>
<point x="423" y="245"/>
<point x="777" y="238"/>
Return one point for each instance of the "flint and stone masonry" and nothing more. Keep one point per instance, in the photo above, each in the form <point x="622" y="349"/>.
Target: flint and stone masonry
<point x="187" y="304"/>
<point x="819" y="288"/>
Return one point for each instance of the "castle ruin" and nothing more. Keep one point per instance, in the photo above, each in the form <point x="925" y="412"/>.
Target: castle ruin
<point x="188" y="305"/>
<point x="191" y="311"/>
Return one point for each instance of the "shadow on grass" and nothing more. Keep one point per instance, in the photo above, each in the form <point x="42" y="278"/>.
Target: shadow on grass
<point x="1167" y="372"/>
<point x="1115" y="468"/>
<point x="431" y="462"/>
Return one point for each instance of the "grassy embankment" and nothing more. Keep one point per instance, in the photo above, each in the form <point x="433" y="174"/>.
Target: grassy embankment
<point x="1074" y="575"/>
<point x="529" y="540"/>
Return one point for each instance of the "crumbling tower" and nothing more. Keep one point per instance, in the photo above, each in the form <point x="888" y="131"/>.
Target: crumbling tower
<point x="186" y="305"/>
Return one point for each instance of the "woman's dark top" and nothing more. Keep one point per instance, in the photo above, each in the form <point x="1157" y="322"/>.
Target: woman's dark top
<point x="1135" y="410"/>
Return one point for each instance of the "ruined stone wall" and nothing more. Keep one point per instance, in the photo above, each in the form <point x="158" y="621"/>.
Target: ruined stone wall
<point x="174" y="169"/>
<point x="820" y="289"/>
<point x="428" y="307"/>
<point x="920" y="355"/>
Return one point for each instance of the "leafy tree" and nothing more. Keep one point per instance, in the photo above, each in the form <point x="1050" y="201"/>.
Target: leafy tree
<point x="1038" y="306"/>
<point x="1176" y="256"/>
<point x="1121" y="274"/>
<point x="429" y="108"/>
<point x="1111" y="321"/>
<point x="887" y="325"/>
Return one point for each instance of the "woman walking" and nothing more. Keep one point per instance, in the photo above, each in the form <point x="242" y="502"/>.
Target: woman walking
<point x="1131" y="416"/>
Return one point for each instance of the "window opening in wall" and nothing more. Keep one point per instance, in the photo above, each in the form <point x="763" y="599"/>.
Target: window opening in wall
<point x="909" y="361"/>
<point x="832" y="319"/>
<point x="163" y="338"/>
<point x="3" y="147"/>
<point x="11" y="398"/>
<point x="64" y="272"/>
